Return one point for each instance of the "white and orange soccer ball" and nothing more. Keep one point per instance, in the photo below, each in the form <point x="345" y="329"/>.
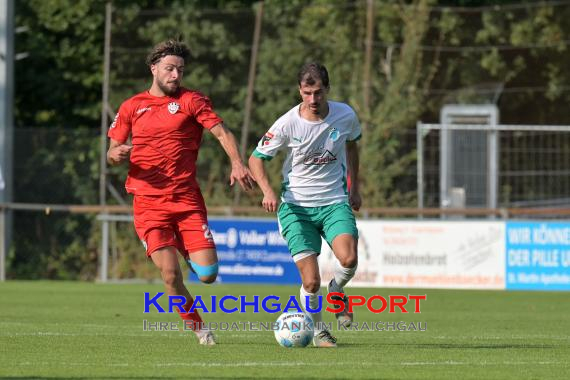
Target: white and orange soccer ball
<point x="294" y="329"/>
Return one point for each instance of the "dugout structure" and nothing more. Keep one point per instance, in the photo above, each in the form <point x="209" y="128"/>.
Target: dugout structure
<point x="469" y="160"/>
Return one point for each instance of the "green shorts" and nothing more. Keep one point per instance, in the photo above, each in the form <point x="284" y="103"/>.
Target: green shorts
<point x="302" y="227"/>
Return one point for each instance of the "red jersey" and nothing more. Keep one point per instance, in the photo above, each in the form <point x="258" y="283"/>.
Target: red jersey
<point x="166" y="134"/>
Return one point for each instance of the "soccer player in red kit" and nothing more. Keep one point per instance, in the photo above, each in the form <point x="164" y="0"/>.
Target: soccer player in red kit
<point x="166" y="124"/>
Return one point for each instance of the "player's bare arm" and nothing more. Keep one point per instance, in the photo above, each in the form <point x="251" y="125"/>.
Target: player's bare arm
<point x="240" y="172"/>
<point x="353" y="161"/>
<point x="118" y="152"/>
<point x="270" y="200"/>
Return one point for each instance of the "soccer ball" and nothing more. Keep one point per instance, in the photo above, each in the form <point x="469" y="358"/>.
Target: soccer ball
<point x="294" y="329"/>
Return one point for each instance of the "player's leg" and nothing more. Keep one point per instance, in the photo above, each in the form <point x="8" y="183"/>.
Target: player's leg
<point x="198" y="245"/>
<point x="342" y="235"/>
<point x="310" y="293"/>
<point x="205" y="264"/>
<point x="304" y="242"/>
<point x="345" y="250"/>
<point x="166" y="260"/>
<point x="308" y="267"/>
<point x="154" y="228"/>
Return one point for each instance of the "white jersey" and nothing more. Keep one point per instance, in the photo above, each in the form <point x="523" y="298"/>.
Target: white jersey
<point x="315" y="170"/>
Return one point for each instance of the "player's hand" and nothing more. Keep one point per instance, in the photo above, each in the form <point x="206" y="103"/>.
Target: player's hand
<point x="270" y="202"/>
<point x="119" y="153"/>
<point x="354" y="200"/>
<point x="241" y="174"/>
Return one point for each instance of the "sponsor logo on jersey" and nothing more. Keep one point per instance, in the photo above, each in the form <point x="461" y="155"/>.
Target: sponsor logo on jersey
<point x="173" y="107"/>
<point x="142" y="110"/>
<point x="114" y="124"/>
<point x="318" y="158"/>
<point x="265" y="140"/>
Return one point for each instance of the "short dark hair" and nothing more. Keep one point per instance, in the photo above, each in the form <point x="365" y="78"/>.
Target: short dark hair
<point x="168" y="47"/>
<point x="311" y="72"/>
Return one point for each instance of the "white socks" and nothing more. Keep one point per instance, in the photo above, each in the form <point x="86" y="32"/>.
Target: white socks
<point x="313" y="304"/>
<point x="343" y="275"/>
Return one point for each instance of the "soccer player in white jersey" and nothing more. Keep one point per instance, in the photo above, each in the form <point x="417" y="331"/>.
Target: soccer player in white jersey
<point x="320" y="138"/>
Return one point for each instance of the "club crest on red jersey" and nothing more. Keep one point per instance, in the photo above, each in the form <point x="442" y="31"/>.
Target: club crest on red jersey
<point x="173" y="107"/>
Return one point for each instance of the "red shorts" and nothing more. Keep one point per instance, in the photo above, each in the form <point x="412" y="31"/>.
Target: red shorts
<point x="178" y="220"/>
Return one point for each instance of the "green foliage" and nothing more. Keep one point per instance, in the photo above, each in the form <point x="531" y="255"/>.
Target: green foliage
<point x="59" y="83"/>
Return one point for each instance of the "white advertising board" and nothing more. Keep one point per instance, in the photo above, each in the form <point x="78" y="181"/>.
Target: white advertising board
<point x="427" y="254"/>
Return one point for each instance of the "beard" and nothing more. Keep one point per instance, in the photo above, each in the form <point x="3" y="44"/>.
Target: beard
<point x="169" y="88"/>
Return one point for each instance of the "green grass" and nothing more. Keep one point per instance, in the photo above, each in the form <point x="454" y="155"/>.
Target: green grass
<point x="76" y="330"/>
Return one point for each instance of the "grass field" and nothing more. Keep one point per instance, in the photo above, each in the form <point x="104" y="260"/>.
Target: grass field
<point x="71" y="330"/>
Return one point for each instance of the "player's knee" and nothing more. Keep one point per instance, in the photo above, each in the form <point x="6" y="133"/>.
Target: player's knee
<point x="349" y="261"/>
<point x="312" y="285"/>
<point x="206" y="273"/>
<point x="208" y="279"/>
<point x="170" y="277"/>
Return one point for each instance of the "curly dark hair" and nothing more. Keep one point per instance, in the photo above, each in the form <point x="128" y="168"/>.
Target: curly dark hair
<point x="168" y="47"/>
<point x="311" y="72"/>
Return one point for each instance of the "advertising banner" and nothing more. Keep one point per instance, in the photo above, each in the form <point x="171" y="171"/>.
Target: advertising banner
<point x="430" y="254"/>
<point x="409" y="254"/>
<point x="252" y="251"/>
<point x="538" y="255"/>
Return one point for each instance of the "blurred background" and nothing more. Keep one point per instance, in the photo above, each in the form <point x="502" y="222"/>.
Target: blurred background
<point x="68" y="64"/>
